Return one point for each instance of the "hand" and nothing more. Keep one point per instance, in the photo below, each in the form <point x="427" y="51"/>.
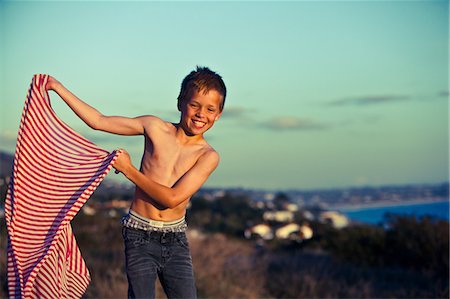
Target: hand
<point x="123" y="161"/>
<point x="51" y="83"/>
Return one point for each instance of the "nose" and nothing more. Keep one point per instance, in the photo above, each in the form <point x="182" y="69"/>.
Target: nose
<point x="199" y="112"/>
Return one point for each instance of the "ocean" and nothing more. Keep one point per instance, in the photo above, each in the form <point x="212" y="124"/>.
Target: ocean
<point x="375" y="215"/>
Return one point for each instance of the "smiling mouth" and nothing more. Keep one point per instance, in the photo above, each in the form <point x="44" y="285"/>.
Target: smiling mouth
<point x="198" y="124"/>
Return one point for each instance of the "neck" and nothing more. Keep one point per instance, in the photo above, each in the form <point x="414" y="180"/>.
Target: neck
<point x="185" y="138"/>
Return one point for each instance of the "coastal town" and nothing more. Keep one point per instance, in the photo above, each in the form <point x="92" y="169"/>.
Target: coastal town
<point x="285" y="214"/>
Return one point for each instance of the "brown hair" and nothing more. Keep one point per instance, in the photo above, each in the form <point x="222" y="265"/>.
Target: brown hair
<point x="201" y="79"/>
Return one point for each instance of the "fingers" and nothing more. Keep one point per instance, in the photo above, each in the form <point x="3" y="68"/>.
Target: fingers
<point x="121" y="151"/>
<point x="122" y="157"/>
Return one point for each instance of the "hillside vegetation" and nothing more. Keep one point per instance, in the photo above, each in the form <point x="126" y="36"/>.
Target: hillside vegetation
<point x="408" y="258"/>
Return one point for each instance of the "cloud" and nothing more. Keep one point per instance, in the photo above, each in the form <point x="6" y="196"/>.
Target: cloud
<point x="369" y="100"/>
<point x="292" y="123"/>
<point x="240" y="116"/>
<point x="443" y="94"/>
<point x="235" y="112"/>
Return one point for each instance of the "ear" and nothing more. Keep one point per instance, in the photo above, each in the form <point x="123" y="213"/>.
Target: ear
<point x="218" y="116"/>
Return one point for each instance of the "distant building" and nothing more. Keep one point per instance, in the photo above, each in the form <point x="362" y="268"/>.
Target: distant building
<point x="269" y="196"/>
<point x="116" y="206"/>
<point x="306" y="232"/>
<point x="196" y="234"/>
<point x="112" y="213"/>
<point x="336" y="219"/>
<point x="291" y="207"/>
<point x="120" y="204"/>
<point x="263" y="231"/>
<point x="88" y="210"/>
<point x="286" y="231"/>
<point x="260" y="205"/>
<point x="294" y="231"/>
<point x="279" y="216"/>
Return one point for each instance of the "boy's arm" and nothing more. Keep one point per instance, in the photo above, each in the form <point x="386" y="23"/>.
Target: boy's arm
<point x="93" y="118"/>
<point x="183" y="189"/>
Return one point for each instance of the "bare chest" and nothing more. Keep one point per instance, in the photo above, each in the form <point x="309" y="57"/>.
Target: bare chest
<point x="166" y="162"/>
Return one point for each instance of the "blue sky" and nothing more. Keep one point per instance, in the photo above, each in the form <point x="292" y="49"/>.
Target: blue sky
<point x="321" y="94"/>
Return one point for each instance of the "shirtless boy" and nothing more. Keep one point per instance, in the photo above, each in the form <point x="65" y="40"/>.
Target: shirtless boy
<point x="176" y="161"/>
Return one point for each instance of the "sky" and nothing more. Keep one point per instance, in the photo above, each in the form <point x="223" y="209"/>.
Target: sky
<point x="323" y="94"/>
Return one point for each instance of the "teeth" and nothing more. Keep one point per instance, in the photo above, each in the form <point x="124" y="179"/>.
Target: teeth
<point x="199" y="123"/>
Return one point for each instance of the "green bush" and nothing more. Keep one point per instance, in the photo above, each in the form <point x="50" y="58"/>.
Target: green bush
<point x="405" y="241"/>
<point x="363" y="244"/>
<point x="421" y="244"/>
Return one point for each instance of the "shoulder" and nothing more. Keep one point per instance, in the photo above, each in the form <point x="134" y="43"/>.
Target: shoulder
<point x="210" y="157"/>
<point x="151" y="122"/>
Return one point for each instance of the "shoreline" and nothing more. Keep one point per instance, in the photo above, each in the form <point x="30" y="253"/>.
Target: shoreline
<point x="385" y="204"/>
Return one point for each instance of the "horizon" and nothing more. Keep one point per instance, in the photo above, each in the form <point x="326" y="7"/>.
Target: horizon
<point x="321" y="95"/>
<point x="279" y="190"/>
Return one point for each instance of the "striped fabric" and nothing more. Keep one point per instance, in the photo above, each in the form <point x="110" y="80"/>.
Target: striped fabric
<point x="55" y="172"/>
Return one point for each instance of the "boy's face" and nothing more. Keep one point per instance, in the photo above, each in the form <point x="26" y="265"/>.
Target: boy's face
<point x="200" y="111"/>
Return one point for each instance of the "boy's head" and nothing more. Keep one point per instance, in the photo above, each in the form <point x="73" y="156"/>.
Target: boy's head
<point x="201" y="100"/>
<point x="201" y="80"/>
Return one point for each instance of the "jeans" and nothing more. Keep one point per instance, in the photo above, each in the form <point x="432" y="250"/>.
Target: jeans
<point x="151" y="254"/>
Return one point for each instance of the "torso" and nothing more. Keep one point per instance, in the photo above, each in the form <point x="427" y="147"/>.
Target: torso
<point x="165" y="161"/>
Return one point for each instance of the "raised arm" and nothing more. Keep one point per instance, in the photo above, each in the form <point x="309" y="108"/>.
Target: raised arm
<point x="93" y="118"/>
<point x="186" y="186"/>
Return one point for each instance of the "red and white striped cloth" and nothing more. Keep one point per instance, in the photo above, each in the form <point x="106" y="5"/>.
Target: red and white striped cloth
<point x="55" y="172"/>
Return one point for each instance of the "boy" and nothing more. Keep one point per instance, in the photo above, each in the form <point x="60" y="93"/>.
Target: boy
<point x="176" y="162"/>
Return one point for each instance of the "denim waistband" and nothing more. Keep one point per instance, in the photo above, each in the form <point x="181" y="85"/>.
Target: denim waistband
<point x="130" y="233"/>
<point x="134" y="220"/>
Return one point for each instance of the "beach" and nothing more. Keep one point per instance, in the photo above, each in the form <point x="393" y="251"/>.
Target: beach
<point x="387" y="203"/>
